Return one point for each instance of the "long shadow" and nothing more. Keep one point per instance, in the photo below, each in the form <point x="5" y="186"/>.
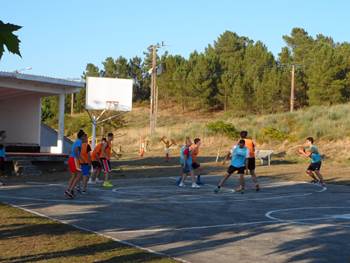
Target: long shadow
<point x="321" y="244"/>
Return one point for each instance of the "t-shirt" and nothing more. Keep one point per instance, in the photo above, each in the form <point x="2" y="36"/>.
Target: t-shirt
<point x="251" y="147"/>
<point x="84" y="154"/>
<point x="195" y="151"/>
<point x="76" y="144"/>
<point x="188" y="154"/>
<point x="315" y="155"/>
<point x="2" y="153"/>
<point x="239" y="156"/>
<point x="96" y="152"/>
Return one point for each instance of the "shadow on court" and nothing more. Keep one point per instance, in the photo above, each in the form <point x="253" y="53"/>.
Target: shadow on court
<point x="285" y="222"/>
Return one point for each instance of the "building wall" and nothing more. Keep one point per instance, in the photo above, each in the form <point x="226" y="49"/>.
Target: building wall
<point x="20" y="117"/>
<point x="49" y="139"/>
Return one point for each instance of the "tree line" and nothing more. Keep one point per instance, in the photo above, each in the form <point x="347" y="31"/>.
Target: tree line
<point x="238" y="74"/>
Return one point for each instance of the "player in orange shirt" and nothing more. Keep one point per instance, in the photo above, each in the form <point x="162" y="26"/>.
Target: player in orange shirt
<point x="251" y="160"/>
<point x="85" y="161"/>
<point x="195" y="164"/>
<point x="96" y="162"/>
<point x="105" y="158"/>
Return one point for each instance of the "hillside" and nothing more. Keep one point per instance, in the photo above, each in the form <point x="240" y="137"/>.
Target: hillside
<point x="283" y="132"/>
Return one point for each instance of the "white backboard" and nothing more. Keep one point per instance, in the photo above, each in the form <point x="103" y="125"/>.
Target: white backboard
<point x="100" y="91"/>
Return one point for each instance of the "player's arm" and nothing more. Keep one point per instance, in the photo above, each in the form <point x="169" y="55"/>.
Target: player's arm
<point x="227" y="157"/>
<point x="103" y="150"/>
<point x="77" y="151"/>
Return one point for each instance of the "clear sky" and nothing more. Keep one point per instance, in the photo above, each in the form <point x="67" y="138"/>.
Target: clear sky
<point x="59" y="37"/>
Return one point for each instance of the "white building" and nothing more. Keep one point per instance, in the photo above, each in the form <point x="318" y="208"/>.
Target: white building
<point x="20" y="107"/>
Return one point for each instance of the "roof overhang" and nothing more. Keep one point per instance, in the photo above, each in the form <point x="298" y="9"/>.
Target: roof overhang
<point x="12" y="83"/>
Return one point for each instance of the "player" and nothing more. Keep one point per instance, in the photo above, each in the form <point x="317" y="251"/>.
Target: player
<point x="2" y="161"/>
<point x="195" y="164"/>
<point x="311" y="151"/>
<point x="142" y="146"/>
<point x="96" y="162"/>
<point x="167" y="146"/>
<point x="85" y="161"/>
<point x="105" y="158"/>
<point x="74" y="165"/>
<point x="186" y="163"/>
<point x="251" y="160"/>
<point x="239" y="154"/>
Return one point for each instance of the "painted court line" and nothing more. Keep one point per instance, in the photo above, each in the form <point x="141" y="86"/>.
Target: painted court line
<point x="100" y="234"/>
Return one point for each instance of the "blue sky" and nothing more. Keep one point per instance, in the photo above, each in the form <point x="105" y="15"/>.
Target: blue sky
<point x="60" y="37"/>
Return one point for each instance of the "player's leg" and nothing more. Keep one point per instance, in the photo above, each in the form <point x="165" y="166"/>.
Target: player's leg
<point x="241" y="187"/>
<point x="107" y="170"/>
<point x="251" y="168"/>
<point x="318" y="173"/>
<point x="229" y="172"/>
<point x="194" y="184"/>
<point x="199" y="171"/>
<point x="310" y="173"/>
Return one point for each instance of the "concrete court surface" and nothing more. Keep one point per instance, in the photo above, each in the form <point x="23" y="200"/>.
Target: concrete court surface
<point x="285" y="222"/>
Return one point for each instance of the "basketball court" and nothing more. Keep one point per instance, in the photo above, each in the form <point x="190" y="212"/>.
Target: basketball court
<point x="285" y="222"/>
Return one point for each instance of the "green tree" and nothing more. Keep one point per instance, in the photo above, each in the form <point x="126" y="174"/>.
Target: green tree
<point x="8" y="39"/>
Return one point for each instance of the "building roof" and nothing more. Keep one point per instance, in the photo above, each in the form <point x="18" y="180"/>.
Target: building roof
<point x="42" y="79"/>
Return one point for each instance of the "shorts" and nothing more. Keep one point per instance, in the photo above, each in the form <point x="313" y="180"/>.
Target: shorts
<point x="85" y="169"/>
<point x="314" y="166"/>
<point x="2" y="164"/>
<point x="167" y="150"/>
<point x="187" y="168"/>
<point x="195" y="165"/>
<point x="251" y="163"/>
<point x="96" y="165"/>
<point x="232" y="169"/>
<point x="73" y="168"/>
<point x="106" y="165"/>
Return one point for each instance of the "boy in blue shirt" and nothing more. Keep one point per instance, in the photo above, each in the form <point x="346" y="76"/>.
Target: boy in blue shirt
<point x="239" y="155"/>
<point x="311" y="151"/>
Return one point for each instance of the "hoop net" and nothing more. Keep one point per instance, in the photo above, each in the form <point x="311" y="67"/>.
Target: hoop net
<point x="112" y="105"/>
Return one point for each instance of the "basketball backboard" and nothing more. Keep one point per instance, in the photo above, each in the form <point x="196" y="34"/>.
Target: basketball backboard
<point x="108" y="94"/>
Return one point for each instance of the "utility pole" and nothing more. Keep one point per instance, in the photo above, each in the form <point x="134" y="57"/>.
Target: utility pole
<point x="292" y="89"/>
<point x="154" y="89"/>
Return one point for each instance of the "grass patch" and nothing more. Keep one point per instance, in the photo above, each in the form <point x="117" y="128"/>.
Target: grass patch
<point x="27" y="238"/>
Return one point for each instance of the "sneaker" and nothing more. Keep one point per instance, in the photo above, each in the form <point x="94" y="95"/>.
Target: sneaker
<point x="98" y="181"/>
<point x="78" y="189"/>
<point x="314" y="181"/>
<point x="194" y="185"/>
<point x="68" y="194"/>
<point x="107" y="184"/>
<point x="178" y="180"/>
<point x="199" y="181"/>
<point x="216" y="190"/>
<point x="239" y="190"/>
<point x="84" y="192"/>
<point x="181" y="184"/>
<point x="257" y="188"/>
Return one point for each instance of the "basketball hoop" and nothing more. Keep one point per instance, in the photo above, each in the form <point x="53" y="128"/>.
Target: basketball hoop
<point x="112" y="105"/>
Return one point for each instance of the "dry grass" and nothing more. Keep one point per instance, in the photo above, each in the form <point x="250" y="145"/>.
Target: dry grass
<point x="28" y="238"/>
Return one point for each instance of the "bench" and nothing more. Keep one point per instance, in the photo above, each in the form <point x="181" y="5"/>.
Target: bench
<point x="264" y="156"/>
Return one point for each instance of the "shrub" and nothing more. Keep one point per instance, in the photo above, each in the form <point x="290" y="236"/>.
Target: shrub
<point x="223" y="128"/>
<point x="270" y="133"/>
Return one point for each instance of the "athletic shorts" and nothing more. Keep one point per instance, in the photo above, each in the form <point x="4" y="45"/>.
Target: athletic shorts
<point x="195" y="165"/>
<point x="251" y="163"/>
<point x="314" y="166"/>
<point x="96" y="164"/>
<point x="72" y="165"/>
<point x="232" y="169"/>
<point x="106" y="165"/>
<point x="186" y="168"/>
<point x="85" y="169"/>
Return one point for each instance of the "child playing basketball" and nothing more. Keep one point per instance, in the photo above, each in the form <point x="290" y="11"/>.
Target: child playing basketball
<point x="311" y="151"/>
<point x="186" y="163"/>
<point x="105" y="160"/>
<point x="96" y="162"/>
<point x="2" y="161"/>
<point x="167" y="146"/>
<point x="142" y="149"/>
<point x="239" y="154"/>
<point x="195" y="164"/>
<point x="251" y="159"/>
<point x="74" y="165"/>
<point x="85" y="161"/>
